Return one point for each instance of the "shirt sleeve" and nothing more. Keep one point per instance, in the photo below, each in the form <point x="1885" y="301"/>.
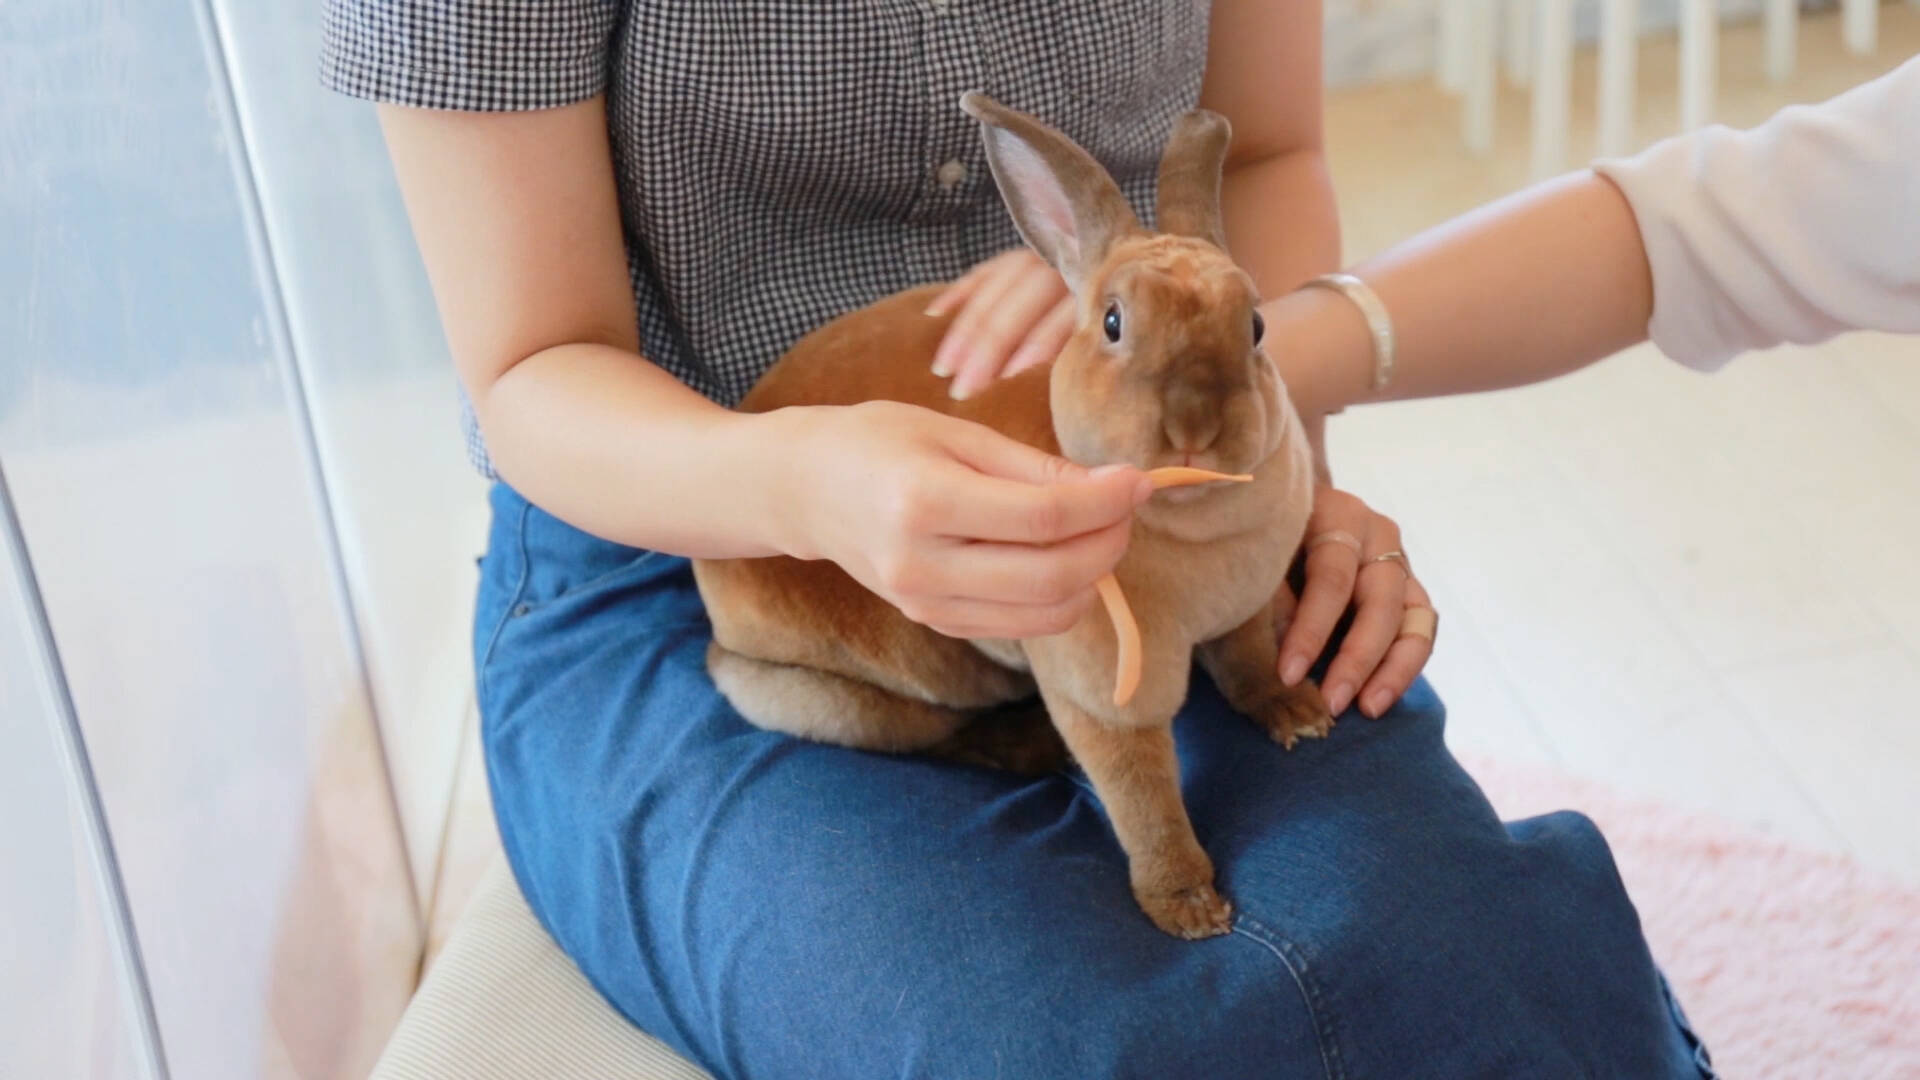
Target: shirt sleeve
<point x="1794" y="231"/>
<point x="478" y="55"/>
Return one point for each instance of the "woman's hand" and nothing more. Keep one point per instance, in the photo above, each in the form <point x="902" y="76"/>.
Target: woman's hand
<point x="1014" y="313"/>
<point x="1348" y="564"/>
<point x="961" y="528"/>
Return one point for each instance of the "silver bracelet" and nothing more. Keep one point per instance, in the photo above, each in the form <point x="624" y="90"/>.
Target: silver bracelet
<point x="1379" y="323"/>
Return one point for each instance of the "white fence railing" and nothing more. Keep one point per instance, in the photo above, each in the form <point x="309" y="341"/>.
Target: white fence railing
<point x="1533" y="41"/>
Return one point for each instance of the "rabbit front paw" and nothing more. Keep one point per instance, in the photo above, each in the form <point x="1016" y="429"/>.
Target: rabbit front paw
<point x="1295" y="713"/>
<point x="1192" y="913"/>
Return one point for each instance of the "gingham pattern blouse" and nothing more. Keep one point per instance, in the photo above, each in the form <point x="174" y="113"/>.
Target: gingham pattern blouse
<point x="781" y="162"/>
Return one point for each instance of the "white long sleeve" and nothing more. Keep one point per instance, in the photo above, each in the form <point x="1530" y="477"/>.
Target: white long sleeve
<point x="1794" y="231"/>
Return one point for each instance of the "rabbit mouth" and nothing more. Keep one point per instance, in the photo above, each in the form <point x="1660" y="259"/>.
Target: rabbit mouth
<point x="1190" y="493"/>
<point x="1201" y="459"/>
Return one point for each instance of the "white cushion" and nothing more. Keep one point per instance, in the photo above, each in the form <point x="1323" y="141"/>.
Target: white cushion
<point x="502" y="1002"/>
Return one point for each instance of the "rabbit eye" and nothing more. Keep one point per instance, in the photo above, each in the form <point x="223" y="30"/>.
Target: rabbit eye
<point x="1259" y="328"/>
<point x="1112" y="322"/>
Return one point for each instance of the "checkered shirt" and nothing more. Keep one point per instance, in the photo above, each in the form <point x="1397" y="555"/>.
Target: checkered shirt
<point x="781" y="162"/>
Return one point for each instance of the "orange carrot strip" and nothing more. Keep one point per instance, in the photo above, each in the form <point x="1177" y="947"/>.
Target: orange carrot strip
<point x="1181" y="475"/>
<point x="1126" y="631"/>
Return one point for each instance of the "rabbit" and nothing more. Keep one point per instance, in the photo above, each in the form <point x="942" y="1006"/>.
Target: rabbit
<point x="1165" y="367"/>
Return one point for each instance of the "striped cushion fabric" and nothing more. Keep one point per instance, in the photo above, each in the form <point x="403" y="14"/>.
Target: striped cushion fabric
<point x="502" y="1002"/>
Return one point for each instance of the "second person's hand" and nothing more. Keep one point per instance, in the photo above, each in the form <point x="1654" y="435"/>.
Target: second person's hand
<point x="1353" y="561"/>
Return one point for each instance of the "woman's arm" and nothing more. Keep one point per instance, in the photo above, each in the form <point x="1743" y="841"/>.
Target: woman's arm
<point x="1264" y="76"/>
<point x="961" y="528"/>
<point x="517" y="218"/>
<point x="1712" y="243"/>
<point x="1529" y="287"/>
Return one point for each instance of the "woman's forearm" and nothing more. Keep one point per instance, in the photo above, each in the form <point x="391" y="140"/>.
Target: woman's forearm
<point x="1530" y="287"/>
<point x="1280" y="218"/>
<point x="619" y="448"/>
<point x="518" y="221"/>
<point x="1282" y="249"/>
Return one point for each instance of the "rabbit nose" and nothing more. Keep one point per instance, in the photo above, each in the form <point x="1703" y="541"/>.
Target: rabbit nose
<point x="1192" y="418"/>
<point x="1191" y="440"/>
<point x="1189" y="445"/>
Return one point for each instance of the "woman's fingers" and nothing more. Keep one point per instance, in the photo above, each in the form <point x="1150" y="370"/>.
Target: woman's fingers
<point x="1329" y="566"/>
<point x="1045" y="341"/>
<point x="1379" y="606"/>
<point x="960" y="291"/>
<point x="1024" y="574"/>
<point x="966" y="617"/>
<point x="973" y="288"/>
<point x="976" y="288"/>
<point x="1404" y="661"/>
<point x="1020" y="513"/>
<point x="998" y="307"/>
<point x="1015" y="493"/>
<point x="1331" y="569"/>
<point x="957" y="346"/>
<point x="987" y="330"/>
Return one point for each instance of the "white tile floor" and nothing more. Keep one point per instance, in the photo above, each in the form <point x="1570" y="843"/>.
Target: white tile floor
<point x="1703" y="589"/>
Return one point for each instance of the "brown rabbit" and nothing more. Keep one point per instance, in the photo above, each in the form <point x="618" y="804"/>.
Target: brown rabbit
<point x="1165" y="368"/>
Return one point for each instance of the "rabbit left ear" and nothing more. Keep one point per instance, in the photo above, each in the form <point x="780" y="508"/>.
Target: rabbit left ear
<point x="1190" y="172"/>
<point x="1065" y="205"/>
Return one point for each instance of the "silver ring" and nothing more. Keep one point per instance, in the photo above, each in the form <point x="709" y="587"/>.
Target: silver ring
<point x="1395" y="555"/>
<point x="1336" y="536"/>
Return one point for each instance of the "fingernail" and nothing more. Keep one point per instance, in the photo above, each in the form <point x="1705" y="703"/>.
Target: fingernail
<point x="1340" y="698"/>
<point x="1377" y="703"/>
<point x="1105" y="471"/>
<point x="1026" y="356"/>
<point x="946" y="359"/>
<point x="1295" y="669"/>
<point x="961" y="390"/>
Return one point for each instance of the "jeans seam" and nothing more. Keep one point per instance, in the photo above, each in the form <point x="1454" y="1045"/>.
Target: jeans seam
<point x="513" y="600"/>
<point x="1250" y="928"/>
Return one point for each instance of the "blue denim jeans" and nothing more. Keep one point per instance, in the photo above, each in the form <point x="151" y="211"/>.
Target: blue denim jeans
<point x="777" y="908"/>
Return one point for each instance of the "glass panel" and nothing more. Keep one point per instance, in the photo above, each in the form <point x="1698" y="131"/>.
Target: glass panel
<point x="65" y="1013"/>
<point x="151" y="438"/>
<point x="412" y="514"/>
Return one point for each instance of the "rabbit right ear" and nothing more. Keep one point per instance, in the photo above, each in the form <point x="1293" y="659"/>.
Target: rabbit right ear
<point x="1065" y="205"/>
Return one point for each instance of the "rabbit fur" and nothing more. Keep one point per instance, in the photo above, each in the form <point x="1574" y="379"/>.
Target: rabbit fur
<point x="800" y="647"/>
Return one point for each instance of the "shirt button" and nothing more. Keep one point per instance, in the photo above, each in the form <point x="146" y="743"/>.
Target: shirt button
<point x="950" y="174"/>
<point x="940" y="6"/>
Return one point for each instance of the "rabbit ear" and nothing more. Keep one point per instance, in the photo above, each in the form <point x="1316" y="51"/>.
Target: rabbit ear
<point x="1189" y="200"/>
<point x="1066" y="206"/>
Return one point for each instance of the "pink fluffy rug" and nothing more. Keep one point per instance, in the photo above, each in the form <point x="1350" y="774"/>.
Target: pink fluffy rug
<point x="1792" y="964"/>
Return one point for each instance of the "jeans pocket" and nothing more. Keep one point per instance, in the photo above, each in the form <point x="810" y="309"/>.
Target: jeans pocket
<point x="535" y="561"/>
<point x="601" y="578"/>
